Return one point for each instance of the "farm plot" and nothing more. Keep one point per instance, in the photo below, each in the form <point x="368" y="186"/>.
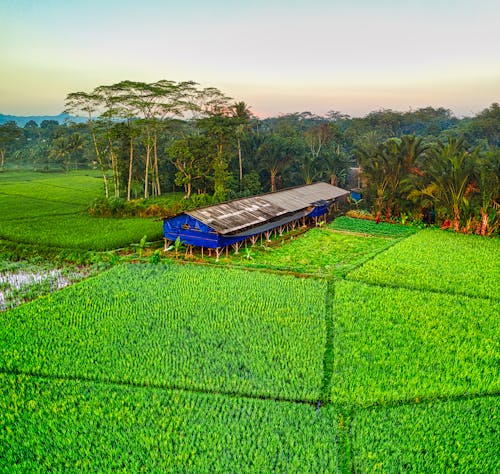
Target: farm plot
<point x="452" y="436"/>
<point x="24" y="281"/>
<point x="363" y="226"/>
<point x="49" y="210"/>
<point x="438" y="261"/>
<point x="69" y="188"/>
<point x="320" y="252"/>
<point x="393" y="345"/>
<point x="176" y="326"/>
<point x="56" y="425"/>
<point x="80" y="231"/>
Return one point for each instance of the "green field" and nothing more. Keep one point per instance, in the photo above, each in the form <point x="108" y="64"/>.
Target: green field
<point x="371" y="228"/>
<point x="398" y="345"/>
<point x="453" y="436"/>
<point x="67" y="426"/>
<point x="319" y="252"/>
<point x="176" y="327"/>
<point x="50" y="210"/>
<point x="386" y="358"/>
<point x="438" y="261"/>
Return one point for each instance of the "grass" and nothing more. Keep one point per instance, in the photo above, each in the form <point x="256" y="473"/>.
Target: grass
<point x="81" y="231"/>
<point x="452" y="436"/>
<point x="51" y="425"/>
<point x="250" y="333"/>
<point x="397" y="345"/>
<point x="438" y="261"/>
<point x="319" y="251"/>
<point x="94" y="377"/>
<point x="50" y="210"/>
<point x="362" y="226"/>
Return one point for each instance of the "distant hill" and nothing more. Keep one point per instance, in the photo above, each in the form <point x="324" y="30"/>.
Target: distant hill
<point x="22" y="121"/>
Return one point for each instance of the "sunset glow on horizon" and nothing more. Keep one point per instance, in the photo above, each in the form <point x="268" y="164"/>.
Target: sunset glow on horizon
<point x="278" y="57"/>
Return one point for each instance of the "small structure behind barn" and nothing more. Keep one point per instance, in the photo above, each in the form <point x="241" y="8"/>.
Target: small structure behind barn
<point x="245" y="220"/>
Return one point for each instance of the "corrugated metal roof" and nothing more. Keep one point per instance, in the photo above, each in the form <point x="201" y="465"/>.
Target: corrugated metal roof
<point x="239" y="214"/>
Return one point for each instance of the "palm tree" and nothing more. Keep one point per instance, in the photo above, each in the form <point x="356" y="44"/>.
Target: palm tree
<point x="242" y="114"/>
<point x="274" y="154"/>
<point x="448" y="173"/>
<point x="336" y="164"/>
<point x="64" y="147"/>
<point x="489" y="188"/>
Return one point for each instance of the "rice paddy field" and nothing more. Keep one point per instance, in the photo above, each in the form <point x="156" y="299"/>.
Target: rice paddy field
<point x="378" y="352"/>
<point x="50" y="209"/>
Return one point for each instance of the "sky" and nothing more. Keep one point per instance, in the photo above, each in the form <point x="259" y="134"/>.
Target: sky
<point x="278" y="56"/>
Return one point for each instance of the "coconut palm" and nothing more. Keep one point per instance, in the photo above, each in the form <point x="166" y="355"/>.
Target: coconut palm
<point x="448" y="175"/>
<point x="242" y="114"/>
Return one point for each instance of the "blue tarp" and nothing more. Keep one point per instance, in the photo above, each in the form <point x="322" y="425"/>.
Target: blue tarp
<point x="193" y="232"/>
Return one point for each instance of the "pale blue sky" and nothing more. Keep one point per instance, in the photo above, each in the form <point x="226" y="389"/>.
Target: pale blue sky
<point x="278" y="56"/>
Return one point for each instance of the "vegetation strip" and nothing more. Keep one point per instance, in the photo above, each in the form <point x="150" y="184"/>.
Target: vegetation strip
<point x="393" y="345"/>
<point x="451" y="436"/>
<point x="329" y="344"/>
<point x="57" y="425"/>
<point x="184" y="326"/>
<point x="118" y="383"/>
<point x="429" y="260"/>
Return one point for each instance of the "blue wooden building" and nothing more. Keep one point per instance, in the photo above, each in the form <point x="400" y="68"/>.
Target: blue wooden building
<point x="232" y="223"/>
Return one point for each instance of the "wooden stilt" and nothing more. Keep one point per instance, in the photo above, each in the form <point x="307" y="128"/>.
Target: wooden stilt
<point x="166" y="244"/>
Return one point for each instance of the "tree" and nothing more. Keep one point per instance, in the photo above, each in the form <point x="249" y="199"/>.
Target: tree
<point x="486" y="125"/>
<point x="335" y="164"/>
<point x="448" y="174"/>
<point x="488" y="180"/>
<point x="189" y="157"/>
<point x="218" y="124"/>
<point x="64" y="147"/>
<point x="9" y="132"/>
<point x="78" y="102"/>
<point x="242" y="115"/>
<point x="275" y="154"/>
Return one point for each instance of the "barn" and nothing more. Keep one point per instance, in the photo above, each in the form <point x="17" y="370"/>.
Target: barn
<point x="232" y="223"/>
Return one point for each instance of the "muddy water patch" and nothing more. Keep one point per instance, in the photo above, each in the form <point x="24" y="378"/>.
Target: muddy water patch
<point x="21" y="282"/>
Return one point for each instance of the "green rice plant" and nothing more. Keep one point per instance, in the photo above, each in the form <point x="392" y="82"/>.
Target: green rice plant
<point x="395" y="345"/>
<point x="363" y="226"/>
<point x="319" y="251"/>
<point x="438" y="261"/>
<point x="72" y="188"/>
<point x="200" y="328"/>
<point x="50" y="210"/>
<point x="80" y="231"/>
<point x="22" y="209"/>
<point x="76" y="426"/>
<point x="452" y="436"/>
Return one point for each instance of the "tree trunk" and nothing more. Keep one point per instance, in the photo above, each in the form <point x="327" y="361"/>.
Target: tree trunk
<point x="130" y="167"/>
<point x="456" y="218"/>
<point x="273" y="181"/>
<point x="99" y="160"/>
<point x="156" y="168"/>
<point x="114" y="167"/>
<point x="146" y="171"/>
<point x="2" y="158"/>
<point x="484" y="221"/>
<point x="240" y="164"/>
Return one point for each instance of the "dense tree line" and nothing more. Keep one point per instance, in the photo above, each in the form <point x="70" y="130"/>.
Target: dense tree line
<point x="152" y="138"/>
